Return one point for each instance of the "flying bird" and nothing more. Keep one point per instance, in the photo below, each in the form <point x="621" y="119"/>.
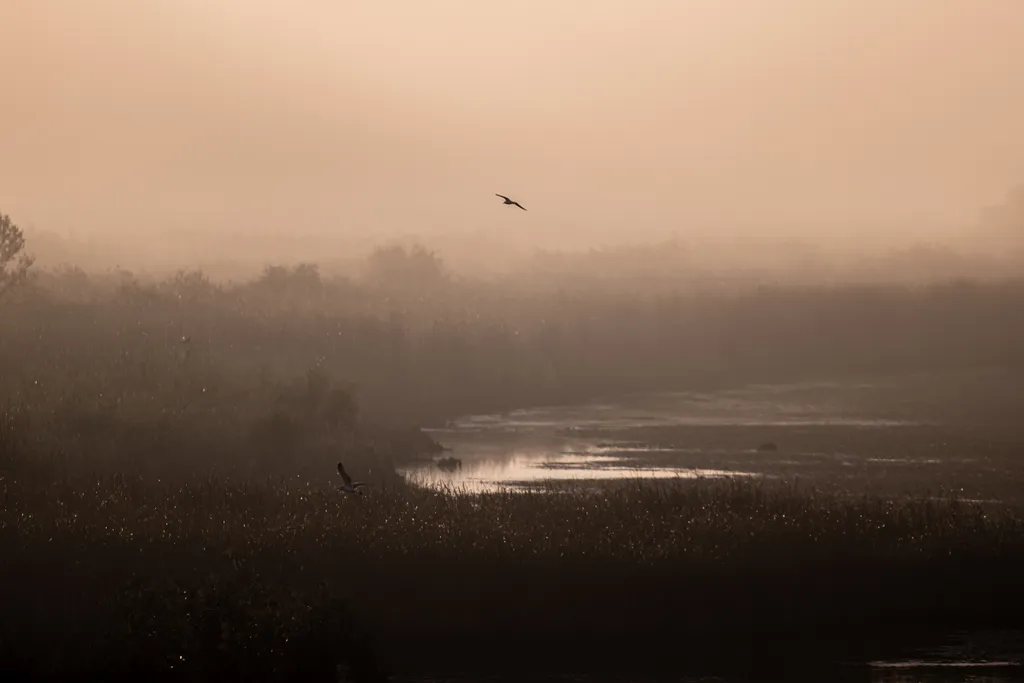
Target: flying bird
<point x="509" y="201"/>
<point x="349" y="486"/>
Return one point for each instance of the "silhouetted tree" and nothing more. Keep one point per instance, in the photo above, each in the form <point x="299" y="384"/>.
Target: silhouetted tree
<point x="296" y="286"/>
<point x="396" y="266"/>
<point x="14" y="262"/>
<point x="189" y="286"/>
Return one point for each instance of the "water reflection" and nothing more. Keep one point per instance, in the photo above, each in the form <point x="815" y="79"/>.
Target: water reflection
<point x="762" y="405"/>
<point x="821" y="433"/>
<point x="950" y="671"/>
<point x="491" y="467"/>
<point x="908" y="674"/>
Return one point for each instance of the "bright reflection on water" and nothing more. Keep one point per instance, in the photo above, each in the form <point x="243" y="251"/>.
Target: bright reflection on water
<point x="516" y="467"/>
<point x="524" y="447"/>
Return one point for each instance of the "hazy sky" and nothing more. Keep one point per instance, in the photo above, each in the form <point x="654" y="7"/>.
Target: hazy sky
<point x="607" y="120"/>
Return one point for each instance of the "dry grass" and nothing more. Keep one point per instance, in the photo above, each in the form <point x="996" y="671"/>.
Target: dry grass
<point x="128" y="575"/>
<point x="164" y="514"/>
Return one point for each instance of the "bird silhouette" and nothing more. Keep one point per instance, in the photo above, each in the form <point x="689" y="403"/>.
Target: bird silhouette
<point x="349" y="486"/>
<point x="509" y="201"/>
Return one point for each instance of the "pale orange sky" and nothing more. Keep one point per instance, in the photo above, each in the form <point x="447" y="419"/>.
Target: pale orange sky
<point x="607" y="120"/>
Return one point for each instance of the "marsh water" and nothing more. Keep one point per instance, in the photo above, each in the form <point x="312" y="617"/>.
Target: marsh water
<point x="880" y="436"/>
<point x="980" y="657"/>
<point x="952" y="673"/>
<point x="891" y="436"/>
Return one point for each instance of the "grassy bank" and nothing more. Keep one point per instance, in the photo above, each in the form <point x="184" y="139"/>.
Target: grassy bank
<point x="207" y="580"/>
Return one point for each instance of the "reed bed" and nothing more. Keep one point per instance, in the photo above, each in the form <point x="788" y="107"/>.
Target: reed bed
<point x="267" y="579"/>
<point x="166" y="513"/>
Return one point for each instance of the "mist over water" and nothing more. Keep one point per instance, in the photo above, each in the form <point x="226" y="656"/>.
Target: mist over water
<point x="822" y="434"/>
<point x="757" y="328"/>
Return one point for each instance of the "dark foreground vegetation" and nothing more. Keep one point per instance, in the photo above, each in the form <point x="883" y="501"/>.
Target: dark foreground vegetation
<point x="205" y="580"/>
<point x="167" y="452"/>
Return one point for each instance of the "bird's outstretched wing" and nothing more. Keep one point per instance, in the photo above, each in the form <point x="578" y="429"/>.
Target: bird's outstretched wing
<point x="344" y="475"/>
<point x="502" y="196"/>
<point x="519" y="205"/>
